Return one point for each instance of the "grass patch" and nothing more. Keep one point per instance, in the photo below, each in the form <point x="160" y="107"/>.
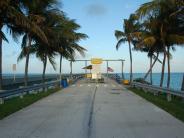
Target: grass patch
<point x="175" y="107"/>
<point x="14" y="104"/>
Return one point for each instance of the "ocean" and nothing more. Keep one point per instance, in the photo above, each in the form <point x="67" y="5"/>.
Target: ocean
<point x="176" y="79"/>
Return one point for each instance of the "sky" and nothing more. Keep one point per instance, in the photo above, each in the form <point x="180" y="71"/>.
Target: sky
<point x="98" y="19"/>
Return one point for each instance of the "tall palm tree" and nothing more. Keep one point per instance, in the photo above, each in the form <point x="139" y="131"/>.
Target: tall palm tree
<point x="163" y="11"/>
<point x="68" y="41"/>
<point x="12" y="16"/>
<point x="149" y="41"/>
<point x="35" y="11"/>
<point x="130" y="27"/>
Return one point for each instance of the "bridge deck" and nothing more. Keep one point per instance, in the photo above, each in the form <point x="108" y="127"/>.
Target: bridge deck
<point x="88" y="110"/>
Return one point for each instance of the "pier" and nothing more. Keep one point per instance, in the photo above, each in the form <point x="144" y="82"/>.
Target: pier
<point x="92" y="110"/>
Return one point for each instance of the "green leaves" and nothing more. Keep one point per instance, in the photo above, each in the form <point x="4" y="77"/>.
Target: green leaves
<point x="2" y="35"/>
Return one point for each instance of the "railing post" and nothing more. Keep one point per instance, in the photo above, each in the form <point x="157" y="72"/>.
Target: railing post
<point x="1" y="101"/>
<point x="122" y="62"/>
<point x="107" y="69"/>
<point x="169" y="97"/>
<point x="71" y="71"/>
<point x="21" y="95"/>
<point x="85" y="66"/>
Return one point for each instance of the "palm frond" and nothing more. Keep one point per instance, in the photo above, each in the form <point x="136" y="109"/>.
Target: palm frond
<point x="22" y="54"/>
<point x="175" y="39"/>
<point x="24" y="41"/>
<point x="2" y="35"/>
<point x="146" y="42"/>
<point x="53" y="63"/>
<point x="123" y="40"/>
<point x="119" y="34"/>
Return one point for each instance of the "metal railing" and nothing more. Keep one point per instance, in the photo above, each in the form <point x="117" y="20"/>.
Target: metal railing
<point x="7" y="94"/>
<point x="115" y="77"/>
<point x="156" y="89"/>
<point x="150" y="88"/>
<point x="25" y="90"/>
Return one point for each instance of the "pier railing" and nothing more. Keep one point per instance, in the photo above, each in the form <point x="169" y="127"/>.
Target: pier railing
<point x="7" y="94"/>
<point x="115" y="77"/>
<point x="156" y="90"/>
<point x="150" y="88"/>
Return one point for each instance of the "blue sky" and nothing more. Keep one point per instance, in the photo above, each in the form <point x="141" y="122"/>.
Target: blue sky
<point x="98" y="19"/>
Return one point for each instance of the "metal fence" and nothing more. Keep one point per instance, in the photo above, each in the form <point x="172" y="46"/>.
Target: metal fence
<point x="150" y="88"/>
<point x="7" y="94"/>
<point x="115" y="77"/>
<point x="156" y="90"/>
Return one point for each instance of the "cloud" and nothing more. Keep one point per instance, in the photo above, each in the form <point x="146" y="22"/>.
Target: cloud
<point x="96" y="9"/>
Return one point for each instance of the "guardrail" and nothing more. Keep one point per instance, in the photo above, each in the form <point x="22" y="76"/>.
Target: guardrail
<point x="25" y="90"/>
<point x="36" y="87"/>
<point x="115" y="77"/>
<point x="156" y="90"/>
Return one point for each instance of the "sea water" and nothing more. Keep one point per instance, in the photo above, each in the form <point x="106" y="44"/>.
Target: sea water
<point x="176" y="78"/>
<point x="175" y="83"/>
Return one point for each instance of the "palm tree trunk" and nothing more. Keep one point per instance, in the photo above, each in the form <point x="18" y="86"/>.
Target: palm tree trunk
<point x="165" y="54"/>
<point x="169" y="69"/>
<point x="27" y="62"/>
<point x="163" y="70"/>
<point x="1" y="40"/>
<point x="44" y="69"/>
<point x="151" y="67"/>
<point x="182" y="87"/>
<point x="151" y="80"/>
<point x="60" y="66"/>
<point x="26" y="70"/>
<point x="130" y="52"/>
<point x="71" y="70"/>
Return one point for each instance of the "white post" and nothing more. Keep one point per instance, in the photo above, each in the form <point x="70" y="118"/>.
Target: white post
<point x="1" y="101"/>
<point x="70" y="69"/>
<point x="14" y="71"/>
<point x="86" y="66"/>
<point x="122" y="63"/>
<point x="168" y="97"/>
<point x="107" y="69"/>
<point x="21" y="95"/>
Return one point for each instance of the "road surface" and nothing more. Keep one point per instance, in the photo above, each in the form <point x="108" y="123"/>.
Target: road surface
<point x="87" y="110"/>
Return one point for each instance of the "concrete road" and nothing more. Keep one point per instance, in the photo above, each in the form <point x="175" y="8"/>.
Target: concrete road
<point x="92" y="111"/>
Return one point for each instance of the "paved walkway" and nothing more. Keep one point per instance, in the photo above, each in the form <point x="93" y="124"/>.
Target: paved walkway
<point x="92" y="111"/>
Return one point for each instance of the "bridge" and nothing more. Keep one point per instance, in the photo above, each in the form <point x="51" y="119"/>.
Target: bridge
<point x="92" y="110"/>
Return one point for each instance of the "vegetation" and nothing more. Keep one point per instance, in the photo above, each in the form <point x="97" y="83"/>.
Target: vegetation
<point x="174" y="107"/>
<point x="46" y="32"/>
<point x="130" y="28"/>
<point x="157" y="29"/>
<point x="9" y="106"/>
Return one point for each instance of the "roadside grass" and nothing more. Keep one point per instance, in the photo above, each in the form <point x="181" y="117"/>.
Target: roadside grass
<point x="15" y="104"/>
<point x="175" y="107"/>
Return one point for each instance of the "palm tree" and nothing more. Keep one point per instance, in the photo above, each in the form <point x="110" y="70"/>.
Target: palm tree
<point x="35" y="11"/>
<point x="163" y="12"/>
<point x="148" y="41"/>
<point x="68" y="40"/>
<point x="12" y="16"/>
<point x="44" y="53"/>
<point x="130" y="27"/>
